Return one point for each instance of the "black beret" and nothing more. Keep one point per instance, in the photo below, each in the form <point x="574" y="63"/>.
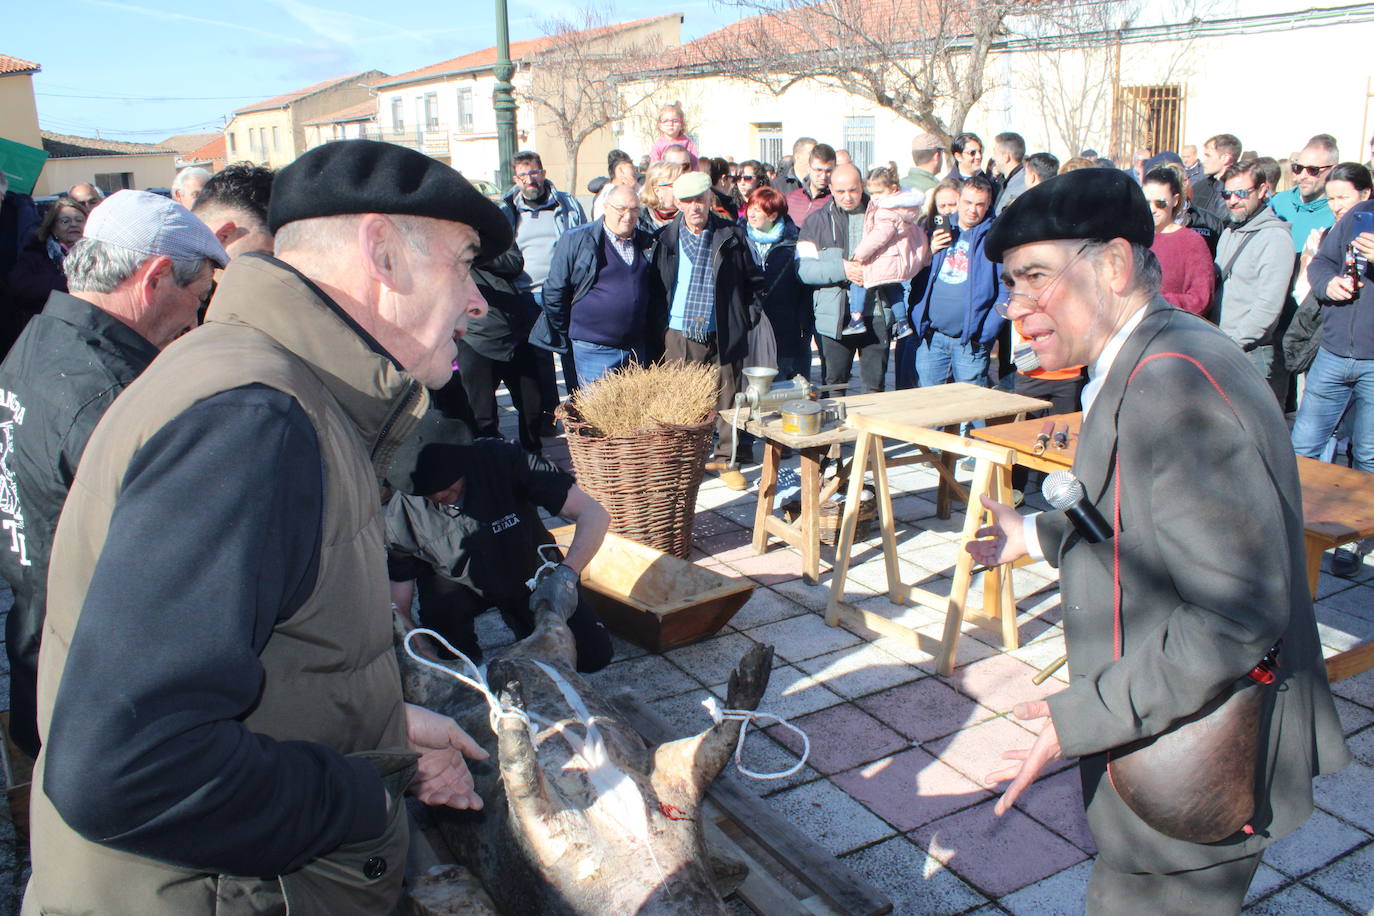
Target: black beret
<point x="367" y="176"/>
<point x="1082" y="204"/>
<point x="431" y="460"/>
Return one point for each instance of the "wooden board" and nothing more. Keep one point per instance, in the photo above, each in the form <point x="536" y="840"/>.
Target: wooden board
<point x="789" y="873"/>
<point x="655" y="600"/>
<point x="936" y="406"/>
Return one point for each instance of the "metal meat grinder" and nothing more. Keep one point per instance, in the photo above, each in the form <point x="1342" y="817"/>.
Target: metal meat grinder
<point x="762" y="396"/>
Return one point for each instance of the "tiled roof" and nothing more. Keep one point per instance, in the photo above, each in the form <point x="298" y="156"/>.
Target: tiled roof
<point x="210" y="151"/>
<point x="64" y="146"/>
<point x="361" y="112"/>
<point x="281" y="101"/>
<point x="17" y="65"/>
<point x="518" y="49"/>
<point x="186" y="143"/>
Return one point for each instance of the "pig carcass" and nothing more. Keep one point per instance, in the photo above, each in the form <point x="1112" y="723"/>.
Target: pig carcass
<point x="582" y="817"/>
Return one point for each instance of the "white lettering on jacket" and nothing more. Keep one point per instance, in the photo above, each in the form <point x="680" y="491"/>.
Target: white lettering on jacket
<point x="501" y="524"/>
<point x="11" y="512"/>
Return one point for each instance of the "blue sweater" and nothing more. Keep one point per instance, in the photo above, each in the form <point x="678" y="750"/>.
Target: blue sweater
<point x="612" y="311"/>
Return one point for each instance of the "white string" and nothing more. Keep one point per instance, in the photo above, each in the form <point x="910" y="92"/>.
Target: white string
<point x="496" y="711"/>
<point x="745" y="716"/>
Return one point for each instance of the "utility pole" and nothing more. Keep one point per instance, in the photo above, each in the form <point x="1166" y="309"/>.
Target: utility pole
<point x="503" y="100"/>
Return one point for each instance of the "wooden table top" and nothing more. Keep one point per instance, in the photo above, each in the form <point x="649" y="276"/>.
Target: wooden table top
<point x="1337" y="502"/>
<point x="934" y="407"/>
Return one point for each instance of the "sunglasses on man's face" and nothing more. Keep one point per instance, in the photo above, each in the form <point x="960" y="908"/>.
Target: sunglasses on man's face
<point x="1239" y="193"/>
<point x="1313" y="170"/>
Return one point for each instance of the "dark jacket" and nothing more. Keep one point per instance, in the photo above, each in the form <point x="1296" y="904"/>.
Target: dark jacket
<point x="1207" y="207"/>
<point x="62" y="374"/>
<point x="786" y="181"/>
<point x="1347" y="327"/>
<point x="510" y="313"/>
<point x="572" y="272"/>
<point x="786" y="300"/>
<point x="738" y="287"/>
<point x="983" y="288"/>
<point x="1196" y="614"/>
<point x="34" y="275"/>
<point x="821" y="249"/>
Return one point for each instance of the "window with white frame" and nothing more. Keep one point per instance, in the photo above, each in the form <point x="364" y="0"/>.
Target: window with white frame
<point x="398" y="116"/>
<point x="464" y="108"/>
<point x="233" y="147"/>
<point x="431" y="111"/>
<point x="276" y="137"/>
<point x="770" y="142"/>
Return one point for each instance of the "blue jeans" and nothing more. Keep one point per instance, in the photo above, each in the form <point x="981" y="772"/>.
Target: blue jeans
<point x="939" y="356"/>
<point x="1333" y="382"/>
<point x="595" y="360"/>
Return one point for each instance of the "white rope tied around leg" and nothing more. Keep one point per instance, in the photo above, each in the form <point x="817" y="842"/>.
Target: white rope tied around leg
<point x="495" y="710"/>
<point x="744" y="717"/>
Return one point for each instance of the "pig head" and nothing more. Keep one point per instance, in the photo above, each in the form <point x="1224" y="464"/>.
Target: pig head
<point x="582" y="816"/>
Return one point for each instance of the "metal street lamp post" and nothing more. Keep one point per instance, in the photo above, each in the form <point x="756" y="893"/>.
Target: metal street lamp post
<point x="503" y="100"/>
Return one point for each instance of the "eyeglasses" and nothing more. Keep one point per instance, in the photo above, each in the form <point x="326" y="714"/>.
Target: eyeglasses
<point x="733" y="176"/>
<point x="1003" y="307"/>
<point x="619" y="209"/>
<point x="748" y="177"/>
<point x="1313" y="170"/>
<point x="1239" y="193"/>
<point x="1160" y="204"/>
<point x="530" y="175"/>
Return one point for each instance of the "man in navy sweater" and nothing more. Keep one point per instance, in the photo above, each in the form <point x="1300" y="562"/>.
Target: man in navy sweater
<point x="597" y="291"/>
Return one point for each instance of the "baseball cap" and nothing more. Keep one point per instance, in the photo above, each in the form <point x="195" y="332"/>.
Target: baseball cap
<point x="691" y="184"/>
<point x="153" y="225"/>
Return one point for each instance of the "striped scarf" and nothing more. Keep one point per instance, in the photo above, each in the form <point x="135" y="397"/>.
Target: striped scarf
<point x="701" y="288"/>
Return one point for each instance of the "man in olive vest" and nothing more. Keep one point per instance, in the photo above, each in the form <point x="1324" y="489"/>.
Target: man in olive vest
<point x="218" y="697"/>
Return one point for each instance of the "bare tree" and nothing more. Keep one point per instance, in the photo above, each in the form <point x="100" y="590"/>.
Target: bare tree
<point x="576" y="79"/>
<point x="925" y="60"/>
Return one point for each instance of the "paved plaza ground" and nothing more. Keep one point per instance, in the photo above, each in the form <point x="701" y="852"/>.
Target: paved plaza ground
<point x="893" y="786"/>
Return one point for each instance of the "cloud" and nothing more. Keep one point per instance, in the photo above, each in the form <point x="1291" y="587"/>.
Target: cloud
<point x="343" y="27"/>
<point x="172" y="16"/>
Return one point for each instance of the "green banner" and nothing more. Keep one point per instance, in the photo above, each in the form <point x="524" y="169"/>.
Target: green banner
<point x="21" y="165"/>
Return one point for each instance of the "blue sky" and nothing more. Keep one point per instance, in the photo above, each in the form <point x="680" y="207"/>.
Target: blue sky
<point x="143" y="70"/>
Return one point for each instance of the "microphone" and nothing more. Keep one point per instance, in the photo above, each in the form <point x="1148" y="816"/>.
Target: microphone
<point x="1065" y="491"/>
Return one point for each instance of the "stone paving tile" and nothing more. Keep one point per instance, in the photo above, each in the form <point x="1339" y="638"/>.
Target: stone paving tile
<point x="911" y="613"/>
<point x="1043" y="650"/>
<point x="969" y="650"/>
<point x="775" y="566"/>
<point x="803" y="637"/>
<point x="765" y="606"/>
<point x="1057" y="802"/>
<point x="791" y="692"/>
<point x="1266" y="881"/>
<point x="1340" y="630"/>
<point x="712" y="660"/>
<point x="624" y="649"/>
<point x="996" y="855"/>
<point x="764" y="755"/>
<point x="1328" y="585"/>
<point x="1362" y="746"/>
<point x="1353" y="716"/>
<point x="1348" y="794"/>
<point x="1357" y="601"/>
<point x="1357" y="689"/>
<point x="828" y="816"/>
<point x="925" y="710"/>
<point x="1350" y="880"/>
<point x="912" y="508"/>
<point x="874" y="574"/>
<point x="977" y="750"/>
<point x="651" y="676"/>
<point x="999" y="682"/>
<point x="710" y="524"/>
<point x="859" y="670"/>
<point x="916" y="883"/>
<point x="740" y="511"/>
<point x="1052" y="896"/>
<point x="1296" y="900"/>
<point x="841" y="737"/>
<point x="684" y="713"/>
<point x="1320" y="841"/>
<point x="910" y="789"/>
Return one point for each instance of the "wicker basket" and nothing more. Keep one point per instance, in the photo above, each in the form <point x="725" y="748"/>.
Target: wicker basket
<point x="647" y="482"/>
<point x="832" y="513"/>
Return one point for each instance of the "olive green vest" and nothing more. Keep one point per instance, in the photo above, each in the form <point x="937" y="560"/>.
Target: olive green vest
<point x="330" y="672"/>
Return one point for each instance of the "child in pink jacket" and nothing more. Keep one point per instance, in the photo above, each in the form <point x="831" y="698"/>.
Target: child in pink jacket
<point x="893" y="250"/>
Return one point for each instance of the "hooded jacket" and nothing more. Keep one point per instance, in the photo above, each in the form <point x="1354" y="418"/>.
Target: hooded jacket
<point x="1253" y="295"/>
<point x="220" y="567"/>
<point x="982" y="290"/>
<point x="894" y="247"/>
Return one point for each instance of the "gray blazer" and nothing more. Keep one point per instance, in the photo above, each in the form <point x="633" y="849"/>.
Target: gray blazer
<point x="1212" y="574"/>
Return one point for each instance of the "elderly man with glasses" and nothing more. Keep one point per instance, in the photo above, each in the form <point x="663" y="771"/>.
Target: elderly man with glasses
<point x="1190" y="593"/>
<point x="1304" y="205"/>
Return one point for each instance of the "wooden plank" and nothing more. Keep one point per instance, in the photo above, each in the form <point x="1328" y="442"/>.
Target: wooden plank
<point x="760" y="891"/>
<point x="1350" y="662"/>
<point x="810" y="863"/>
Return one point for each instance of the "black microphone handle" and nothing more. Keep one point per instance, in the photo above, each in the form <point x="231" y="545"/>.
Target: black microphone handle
<point x="1089" y="522"/>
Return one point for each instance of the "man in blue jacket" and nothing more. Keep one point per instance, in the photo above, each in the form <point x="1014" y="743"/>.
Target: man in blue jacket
<point x="953" y="314"/>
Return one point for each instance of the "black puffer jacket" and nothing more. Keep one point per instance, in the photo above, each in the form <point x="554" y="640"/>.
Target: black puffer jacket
<point x="510" y="313"/>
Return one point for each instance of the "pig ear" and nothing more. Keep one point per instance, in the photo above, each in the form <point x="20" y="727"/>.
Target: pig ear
<point x="683" y="769"/>
<point x="526" y="791"/>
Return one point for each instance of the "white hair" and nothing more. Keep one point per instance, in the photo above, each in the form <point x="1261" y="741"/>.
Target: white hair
<point x="326" y="235"/>
<point x="185" y="175"/>
<point x="94" y="266"/>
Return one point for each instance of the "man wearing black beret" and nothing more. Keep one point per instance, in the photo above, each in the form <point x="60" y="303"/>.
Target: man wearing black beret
<point x="1185" y="456"/>
<point x="219" y="701"/>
